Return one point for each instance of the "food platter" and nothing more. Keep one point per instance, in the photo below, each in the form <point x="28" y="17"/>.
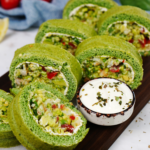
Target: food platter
<point x="102" y="137"/>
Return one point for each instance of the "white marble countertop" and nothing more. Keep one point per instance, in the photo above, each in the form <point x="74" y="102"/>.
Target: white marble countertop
<point x="137" y="134"/>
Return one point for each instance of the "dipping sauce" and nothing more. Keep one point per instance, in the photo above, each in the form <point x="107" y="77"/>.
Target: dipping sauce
<point x="107" y="96"/>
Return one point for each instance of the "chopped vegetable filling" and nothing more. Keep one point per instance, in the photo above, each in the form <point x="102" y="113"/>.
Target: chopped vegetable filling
<point x="28" y="72"/>
<point x="3" y="110"/>
<point x="89" y="14"/>
<point x="133" y="33"/>
<point x="53" y="116"/>
<point x="64" y="41"/>
<point x="105" y="66"/>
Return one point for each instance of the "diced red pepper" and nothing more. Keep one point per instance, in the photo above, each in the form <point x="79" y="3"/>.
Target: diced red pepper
<point x="142" y="30"/>
<point x="131" y="41"/>
<point x="62" y="106"/>
<point x="72" y="117"/>
<point x="64" y="43"/>
<point x="68" y="127"/>
<point x="54" y="106"/>
<point x="51" y="75"/>
<point x="123" y="61"/>
<point x="114" y="69"/>
<point x="142" y="42"/>
<point x="57" y="119"/>
<point x="43" y="68"/>
<point x="72" y="45"/>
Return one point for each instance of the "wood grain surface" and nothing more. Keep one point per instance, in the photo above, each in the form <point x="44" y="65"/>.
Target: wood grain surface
<point x="101" y="137"/>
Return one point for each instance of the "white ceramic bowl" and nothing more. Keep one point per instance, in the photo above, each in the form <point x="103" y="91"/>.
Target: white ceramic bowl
<point x="105" y="119"/>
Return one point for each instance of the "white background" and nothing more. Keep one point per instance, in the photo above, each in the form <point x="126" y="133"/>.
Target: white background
<point x="137" y="134"/>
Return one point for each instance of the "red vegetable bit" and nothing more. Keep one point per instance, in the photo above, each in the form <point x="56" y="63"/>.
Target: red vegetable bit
<point x="142" y="43"/>
<point x="64" y="43"/>
<point x="57" y="119"/>
<point x="147" y="41"/>
<point x="54" y="106"/>
<point x="51" y="75"/>
<point x="123" y="61"/>
<point x="43" y="68"/>
<point x="72" y="117"/>
<point x="114" y="69"/>
<point x="72" y="45"/>
<point x="68" y="127"/>
<point x="131" y="41"/>
<point x="142" y="30"/>
<point x="62" y="106"/>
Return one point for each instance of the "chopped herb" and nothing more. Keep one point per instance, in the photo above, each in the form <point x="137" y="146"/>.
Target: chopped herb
<point x="83" y="89"/>
<point x="101" y="105"/>
<point x="111" y="100"/>
<point x="100" y="87"/>
<point x="111" y="86"/>
<point x="120" y="102"/>
<point x="86" y="94"/>
<point x="90" y="84"/>
<point x="105" y="86"/>
<point x="117" y="98"/>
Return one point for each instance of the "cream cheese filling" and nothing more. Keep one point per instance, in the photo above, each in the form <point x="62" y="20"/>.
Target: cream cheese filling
<point x="74" y="11"/>
<point x="125" y="22"/>
<point x="54" y="33"/>
<point x="97" y="59"/>
<point x="51" y="68"/>
<point x="56" y="101"/>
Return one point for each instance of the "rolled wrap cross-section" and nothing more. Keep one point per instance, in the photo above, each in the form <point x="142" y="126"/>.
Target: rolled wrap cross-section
<point x="7" y="138"/>
<point x="87" y="11"/>
<point x="42" y="118"/>
<point x="129" y="23"/>
<point x="47" y="63"/>
<point x="66" y="34"/>
<point x="108" y="56"/>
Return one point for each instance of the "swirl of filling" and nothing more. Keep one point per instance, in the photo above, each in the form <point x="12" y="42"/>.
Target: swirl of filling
<point x="88" y="13"/>
<point x="3" y="110"/>
<point x="105" y="66"/>
<point x="52" y="115"/>
<point x="29" y="71"/>
<point x="65" y="41"/>
<point x="132" y="32"/>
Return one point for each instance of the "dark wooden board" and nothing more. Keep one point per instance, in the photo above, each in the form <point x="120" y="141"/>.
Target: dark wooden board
<point x="101" y="137"/>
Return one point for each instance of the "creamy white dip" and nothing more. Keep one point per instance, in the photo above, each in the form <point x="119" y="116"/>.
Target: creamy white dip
<point x="115" y="96"/>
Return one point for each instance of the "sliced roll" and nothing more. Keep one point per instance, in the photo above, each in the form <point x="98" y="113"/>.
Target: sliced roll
<point x="87" y="11"/>
<point x="129" y="23"/>
<point x="45" y="119"/>
<point x="47" y="63"/>
<point x="108" y="56"/>
<point x="7" y="138"/>
<point x="66" y="34"/>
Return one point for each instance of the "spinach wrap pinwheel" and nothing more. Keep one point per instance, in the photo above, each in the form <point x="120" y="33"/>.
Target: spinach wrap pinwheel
<point x="129" y="23"/>
<point x="66" y="34"/>
<point x="42" y="118"/>
<point x="7" y="138"/>
<point x="47" y="63"/>
<point x="87" y="11"/>
<point x="108" y="56"/>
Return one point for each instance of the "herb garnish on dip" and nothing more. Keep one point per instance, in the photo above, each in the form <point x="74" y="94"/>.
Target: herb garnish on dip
<point x="106" y="95"/>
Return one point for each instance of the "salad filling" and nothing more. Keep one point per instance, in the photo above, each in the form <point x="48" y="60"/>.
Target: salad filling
<point x="52" y="115"/>
<point x="29" y="71"/>
<point x="3" y="111"/>
<point x="68" y="42"/>
<point x="105" y="66"/>
<point x="132" y="32"/>
<point x="88" y="13"/>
